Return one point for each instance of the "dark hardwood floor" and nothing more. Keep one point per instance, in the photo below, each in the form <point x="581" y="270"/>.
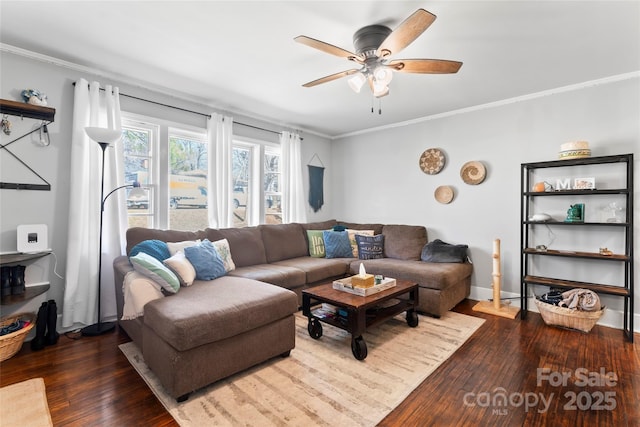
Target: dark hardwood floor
<point x="509" y="373"/>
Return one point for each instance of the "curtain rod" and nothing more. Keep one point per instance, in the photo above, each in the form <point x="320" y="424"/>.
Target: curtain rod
<point x="208" y="116"/>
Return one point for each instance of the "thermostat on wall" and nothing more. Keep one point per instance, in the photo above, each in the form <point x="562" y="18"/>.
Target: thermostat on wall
<point x="32" y="238"/>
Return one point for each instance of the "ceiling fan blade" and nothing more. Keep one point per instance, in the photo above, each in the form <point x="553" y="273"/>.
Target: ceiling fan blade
<point x="329" y="48"/>
<point x="331" y="77"/>
<point x="425" y="66"/>
<point x="405" y="33"/>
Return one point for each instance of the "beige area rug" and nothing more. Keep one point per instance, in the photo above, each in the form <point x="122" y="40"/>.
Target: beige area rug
<point x="24" y="404"/>
<point x="321" y="383"/>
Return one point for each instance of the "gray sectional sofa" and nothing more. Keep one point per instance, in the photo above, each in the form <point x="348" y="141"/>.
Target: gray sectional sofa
<point x="244" y="320"/>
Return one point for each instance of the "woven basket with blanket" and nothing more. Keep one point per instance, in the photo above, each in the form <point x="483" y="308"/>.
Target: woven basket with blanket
<point x="578" y="309"/>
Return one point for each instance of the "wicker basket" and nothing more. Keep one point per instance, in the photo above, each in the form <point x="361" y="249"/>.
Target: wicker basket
<point x="11" y="343"/>
<point x="567" y="317"/>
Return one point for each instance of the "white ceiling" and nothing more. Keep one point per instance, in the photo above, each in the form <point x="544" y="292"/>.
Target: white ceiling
<point x="240" y="56"/>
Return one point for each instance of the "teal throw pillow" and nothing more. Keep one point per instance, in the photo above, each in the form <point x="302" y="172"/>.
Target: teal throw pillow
<point x="336" y="244"/>
<point x="316" y="243"/>
<point x="370" y="247"/>
<point x="147" y="265"/>
<point x="206" y="260"/>
<point x="156" y="248"/>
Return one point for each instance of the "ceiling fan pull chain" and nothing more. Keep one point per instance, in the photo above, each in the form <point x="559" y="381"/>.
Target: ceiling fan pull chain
<point x="372" y="98"/>
<point x="379" y="106"/>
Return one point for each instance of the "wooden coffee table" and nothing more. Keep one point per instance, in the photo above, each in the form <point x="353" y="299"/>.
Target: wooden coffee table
<point x="362" y="312"/>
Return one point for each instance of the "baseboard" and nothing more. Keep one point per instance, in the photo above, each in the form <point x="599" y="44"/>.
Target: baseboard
<point x="611" y="318"/>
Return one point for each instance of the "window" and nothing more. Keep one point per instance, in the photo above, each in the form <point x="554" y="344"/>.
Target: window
<point x="170" y="161"/>
<point x="272" y="179"/>
<point x="187" y="180"/>
<point x="138" y="142"/>
<point x="256" y="183"/>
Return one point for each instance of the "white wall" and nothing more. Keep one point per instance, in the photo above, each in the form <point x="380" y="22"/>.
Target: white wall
<point x="19" y="72"/>
<point x="377" y="177"/>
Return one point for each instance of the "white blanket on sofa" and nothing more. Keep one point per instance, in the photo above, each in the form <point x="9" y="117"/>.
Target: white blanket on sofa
<point x="138" y="290"/>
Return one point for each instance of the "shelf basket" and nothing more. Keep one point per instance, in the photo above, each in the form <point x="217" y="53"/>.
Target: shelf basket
<point x="579" y="320"/>
<point x="11" y="343"/>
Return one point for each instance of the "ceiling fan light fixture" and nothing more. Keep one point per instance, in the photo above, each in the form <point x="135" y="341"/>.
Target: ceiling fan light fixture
<point x="357" y="81"/>
<point x="383" y="75"/>
<point x="380" y="89"/>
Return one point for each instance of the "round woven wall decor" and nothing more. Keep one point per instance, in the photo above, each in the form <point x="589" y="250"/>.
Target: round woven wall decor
<point x="432" y="161"/>
<point x="444" y="194"/>
<point x="473" y="173"/>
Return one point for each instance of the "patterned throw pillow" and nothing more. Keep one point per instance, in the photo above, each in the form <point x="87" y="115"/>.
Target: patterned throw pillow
<point x="336" y="244"/>
<point x="182" y="268"/>
<point x="155" y="270"/>
<point x="352" y="239"/>
<point x="316" y="244"/>
<point x="223" y="249"/>
<point x="156" y="248"/>
<point x="370" y="247"/>
<point x="205" y="260"/>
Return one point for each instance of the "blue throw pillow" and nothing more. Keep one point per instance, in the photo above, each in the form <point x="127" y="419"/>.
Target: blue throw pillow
<point x="336" y="244"/>
<point x="206" y="260"/>
<point x="370" y="247"/>
<point x="156" y="248"/>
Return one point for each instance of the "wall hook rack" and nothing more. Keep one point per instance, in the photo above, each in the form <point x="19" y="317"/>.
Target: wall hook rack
<point x="22" y="110"/>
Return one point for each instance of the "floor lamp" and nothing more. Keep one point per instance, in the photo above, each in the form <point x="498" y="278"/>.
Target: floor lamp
<point x="104" y="137"/>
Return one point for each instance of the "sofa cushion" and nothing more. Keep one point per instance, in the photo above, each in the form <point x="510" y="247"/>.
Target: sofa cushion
<point x="206" y="260"/>
<point x="175" y="247"/>
<point x="182" y="268"/>
<point x="245" y="244"/>
<point x="155" y="248"/>
<point x="283" y="241"/>
<point x="426" y="274"/>
<point x="136" y="235"/>
<point x="322" y="225"/>
<point x="224" y="250"/>
<point x="352" y="232"/>
<point x="155" y="270"/>
<point x="370" y="247"/>
<point x="404" y="241"/>
<point x="208" y="312"/>
<point x="336" y="244"/>
<point x="316" y="244"/>
<point x="377" y="228"/>
<point x="280" y="275"/>
<point x="318" y="269"/>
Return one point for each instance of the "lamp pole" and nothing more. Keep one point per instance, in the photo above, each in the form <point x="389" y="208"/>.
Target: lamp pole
<point x="104" y="137"/>
<point x="100" y="328"/>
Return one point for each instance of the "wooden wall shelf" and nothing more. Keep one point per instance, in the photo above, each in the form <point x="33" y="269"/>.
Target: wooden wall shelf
<point x="22" y="109"/>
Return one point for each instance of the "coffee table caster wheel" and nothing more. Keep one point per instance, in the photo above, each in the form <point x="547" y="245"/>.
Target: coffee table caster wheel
<point x="315" y="328"/>
<point x="412" y="318"/>
<point x="359" y="348"/>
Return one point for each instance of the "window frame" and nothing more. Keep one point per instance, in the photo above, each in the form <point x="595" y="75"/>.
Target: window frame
<point x="258" y="149"/>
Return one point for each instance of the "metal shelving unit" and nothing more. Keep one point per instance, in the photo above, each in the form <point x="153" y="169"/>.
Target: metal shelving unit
<point x="624" y="290"/>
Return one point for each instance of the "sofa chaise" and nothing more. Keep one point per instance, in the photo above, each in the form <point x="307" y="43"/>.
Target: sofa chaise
<point x="242" y="319"/>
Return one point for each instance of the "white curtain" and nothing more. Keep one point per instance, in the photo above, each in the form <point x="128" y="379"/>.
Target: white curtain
<point x="293" y="205"/>
<point x="102" y="109"/>
<point x="220" y="179"/>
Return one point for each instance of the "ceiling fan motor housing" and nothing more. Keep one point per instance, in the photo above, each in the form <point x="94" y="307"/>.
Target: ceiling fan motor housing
<point x="368" y="39"/>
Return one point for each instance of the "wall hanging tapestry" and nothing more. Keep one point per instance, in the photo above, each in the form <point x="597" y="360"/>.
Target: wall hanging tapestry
<point x="316" y="185"/>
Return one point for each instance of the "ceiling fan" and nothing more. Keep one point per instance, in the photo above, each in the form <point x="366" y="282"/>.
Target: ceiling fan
<point x="374" y="44"/>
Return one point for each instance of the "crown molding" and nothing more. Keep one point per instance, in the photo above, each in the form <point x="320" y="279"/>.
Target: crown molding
<point x="523" y="98"/>
<point x="183" y="97"/>
<point x="146" y="86"/>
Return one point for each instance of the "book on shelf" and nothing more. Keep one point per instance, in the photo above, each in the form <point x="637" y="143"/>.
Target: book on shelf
<point x="345" y="285"/>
